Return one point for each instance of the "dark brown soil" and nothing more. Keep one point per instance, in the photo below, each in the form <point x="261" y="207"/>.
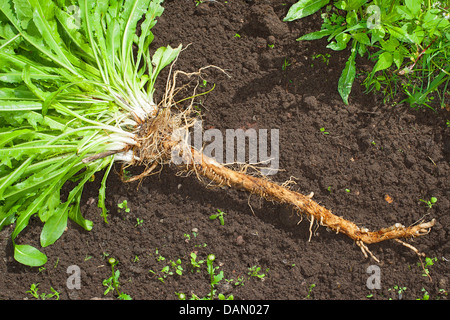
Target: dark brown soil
<point x="372" y="149"/>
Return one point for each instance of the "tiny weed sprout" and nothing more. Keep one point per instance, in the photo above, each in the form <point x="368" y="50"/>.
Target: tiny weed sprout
<point x="428" y="263"/>
<point x="324" y="131"/>
<point x="123" y="206"/>
<point x="195" y="265"/>
<point x="311" y="287"/>
<point x="220" y="215"/>
<point x="181" y="295"/>
<point x="254" y="271"/>
<point x="214" y="278"/>
<point x="399" y="290"/>
<point x="176" y="265"/>
<point x="43" y="296"/>
<point x="285" y="65"/>
<point x="139" y="222"/>
<point x="430" y="202"/>
<point x="325" y="58"/>
<point x="426" y="295"/>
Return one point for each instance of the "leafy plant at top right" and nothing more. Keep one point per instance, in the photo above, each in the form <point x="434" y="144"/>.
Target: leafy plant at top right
<point x="408" y="39"/>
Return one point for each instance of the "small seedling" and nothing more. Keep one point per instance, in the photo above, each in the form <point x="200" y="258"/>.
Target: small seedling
<point x="181" y="295"/>
<point x="347" y="190"/>
<point x="159" y="257"/>
<point x="324" y="57"/>
<point x="324" y="131"/>
<point x="215" y="278"/>
<point x="237" y="35"/>
<point x="219" y="215"/>
<point x="430" y="202"/>
<point x="238" y="282"/>
<point x="139" y="222"/>
<point x="43" y="296"/>
<point x="400" y="291"/>
<point x="426" y="295"/>
<point x="123" y="206"/>
<point x="194" y="263"/>
<point x="311" y="287"/>
<point x="428" y="263"/>
<point x="112" y="283"/>
<point x="176" y="265"/>
<point x="285" y="65"/>
<point x="255" y="272"/>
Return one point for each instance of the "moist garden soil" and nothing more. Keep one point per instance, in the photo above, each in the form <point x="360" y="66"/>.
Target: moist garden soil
<point x="372" y="167"/>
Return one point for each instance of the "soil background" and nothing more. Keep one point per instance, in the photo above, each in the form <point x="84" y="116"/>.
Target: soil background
<point x="372" y="149"/>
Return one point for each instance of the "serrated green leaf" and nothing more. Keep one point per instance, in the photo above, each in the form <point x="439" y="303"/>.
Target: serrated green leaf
<point x="29" y="255"/>
<point x="304" y="8"/>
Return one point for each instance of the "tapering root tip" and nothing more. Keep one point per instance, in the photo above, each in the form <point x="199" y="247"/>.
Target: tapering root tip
<point x="366" y="251"/>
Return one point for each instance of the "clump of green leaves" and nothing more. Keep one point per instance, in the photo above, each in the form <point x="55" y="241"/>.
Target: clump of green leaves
<point x="112" y="283"/>
<point x="123" y="206"/>
<point x="255" y="271"/>
<point x="407" y="39"/>
<point x="214" y="279"/>
<point x="399" y="290"/>
<point x="43" y="296"/>
<point x="171" y="268"/>
<point x="76" y="80"/>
